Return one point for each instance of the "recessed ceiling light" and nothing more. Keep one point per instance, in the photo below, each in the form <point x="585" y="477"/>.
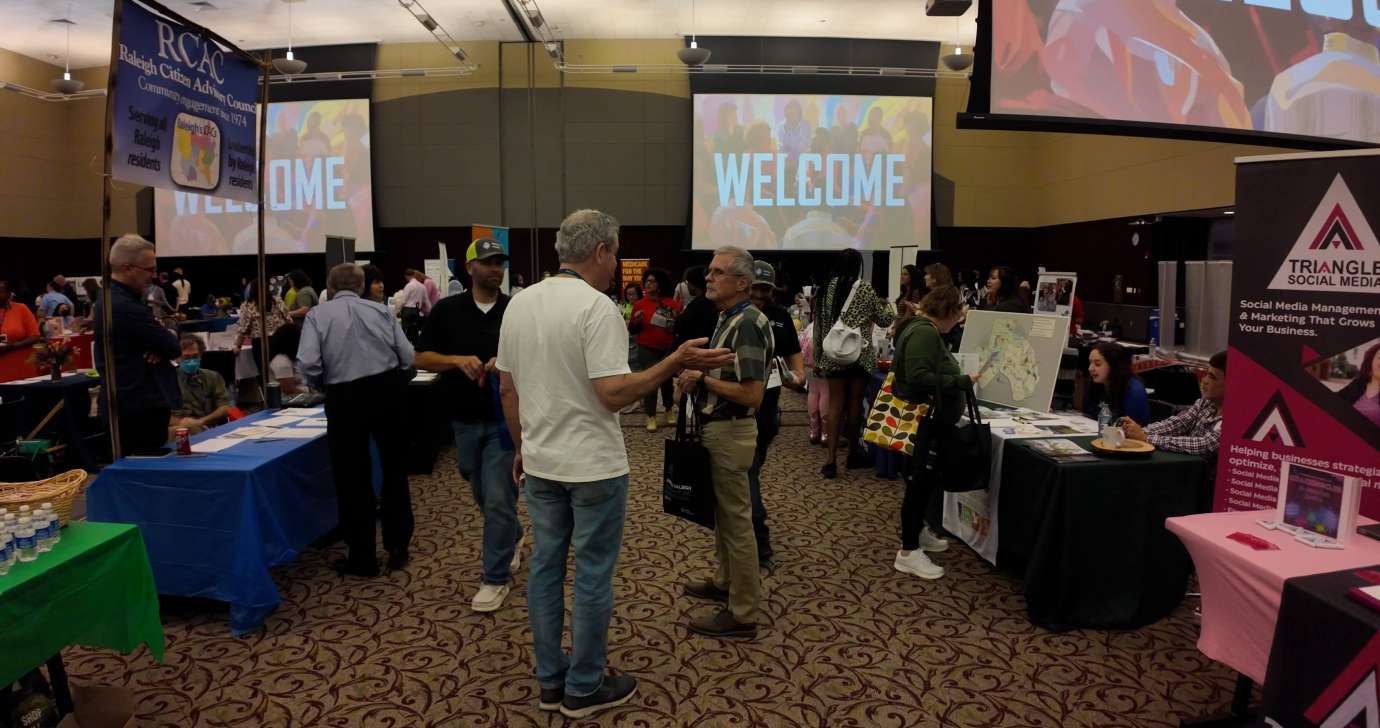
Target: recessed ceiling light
<point x="62" y="21"/>
<point x="203" y="5"/>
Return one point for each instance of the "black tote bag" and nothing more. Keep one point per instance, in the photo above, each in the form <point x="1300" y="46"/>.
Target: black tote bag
<point x="687" y="489"/>
<point x="965" y="452"/>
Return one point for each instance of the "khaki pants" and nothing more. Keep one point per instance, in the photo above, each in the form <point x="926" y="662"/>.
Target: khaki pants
<point x="731" y="444"/>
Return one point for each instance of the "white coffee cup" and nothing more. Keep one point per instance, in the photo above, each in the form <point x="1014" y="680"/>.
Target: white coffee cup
<point x="1113" y="436"/>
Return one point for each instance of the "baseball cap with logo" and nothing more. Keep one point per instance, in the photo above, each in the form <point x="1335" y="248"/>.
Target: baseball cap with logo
<point x="485" y="248"/>
<point x="763" y="274"/>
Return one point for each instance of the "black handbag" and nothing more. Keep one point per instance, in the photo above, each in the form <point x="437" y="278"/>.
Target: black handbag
<point x="687" y="489"/>
<point x="965" y="452"/>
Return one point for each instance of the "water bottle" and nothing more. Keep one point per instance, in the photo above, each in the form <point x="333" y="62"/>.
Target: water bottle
<point x="28" y="544"/>
<point x="54" y="526"/>
<point x="6" y="551"/>
<point x="1104" y="417"/>
<point x="24" y="512"/>
<point x="1153" y="328"/>
<point x="43" y="531"/>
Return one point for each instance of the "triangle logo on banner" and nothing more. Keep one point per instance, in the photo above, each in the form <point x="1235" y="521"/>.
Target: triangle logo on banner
<point x="1352" y="695"/>
<point x="1337" y="250"/>
<point x="1275" y="424"/>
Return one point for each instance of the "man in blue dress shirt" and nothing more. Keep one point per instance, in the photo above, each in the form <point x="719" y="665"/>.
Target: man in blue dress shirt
<point x="355" y="351"/>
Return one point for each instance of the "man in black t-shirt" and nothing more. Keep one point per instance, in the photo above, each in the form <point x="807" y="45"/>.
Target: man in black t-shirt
<point x="700" y="316"/>
<point x="460" y="342"/>
<point x="786" y="370"/>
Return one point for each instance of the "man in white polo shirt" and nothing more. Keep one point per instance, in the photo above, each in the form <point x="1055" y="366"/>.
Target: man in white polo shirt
<point x="564" y="376"/>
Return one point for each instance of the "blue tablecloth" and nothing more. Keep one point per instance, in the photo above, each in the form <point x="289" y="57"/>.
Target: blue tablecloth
<point x="214" y="324"/>
<point x="215" y="524"/>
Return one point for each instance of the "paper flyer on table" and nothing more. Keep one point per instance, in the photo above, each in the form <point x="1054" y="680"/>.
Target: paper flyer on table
<point x="300" y="433"/>
<point x="280" y="421"/>
<point x="312" y="422"/>
<point x="214" y="444"/>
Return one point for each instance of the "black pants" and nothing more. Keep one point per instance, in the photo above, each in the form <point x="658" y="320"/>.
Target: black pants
<point x="356" y="411"/>
<point x="919" y="485"/>
<point x="768" y="425"/>
<point x="646" y="359"/>
<point x="143" y="430"/>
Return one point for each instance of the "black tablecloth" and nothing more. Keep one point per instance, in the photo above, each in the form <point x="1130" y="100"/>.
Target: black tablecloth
<point x="1325" y="646"/>
<point x="70" y="426"/>
<point x="432" y="430"/>
<point x="1089" y="537"/>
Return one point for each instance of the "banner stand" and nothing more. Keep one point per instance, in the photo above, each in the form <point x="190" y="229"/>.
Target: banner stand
<point x="109" y="385"/>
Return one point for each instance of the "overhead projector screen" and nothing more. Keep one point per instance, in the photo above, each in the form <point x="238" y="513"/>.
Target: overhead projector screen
<point x="810" y="172"/>
<point x="318" y="184"/>
<point x="1296" y="67"/>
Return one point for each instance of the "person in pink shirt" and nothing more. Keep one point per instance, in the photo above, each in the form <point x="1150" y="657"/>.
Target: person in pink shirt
<point x="433" y="292"/>
<point x="415" y="294"/>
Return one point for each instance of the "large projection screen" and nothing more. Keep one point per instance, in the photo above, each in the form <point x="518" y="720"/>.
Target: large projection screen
<point x="1279" y="67"/>
<point x="319" y="183"/>
<point x="811" y="172"/>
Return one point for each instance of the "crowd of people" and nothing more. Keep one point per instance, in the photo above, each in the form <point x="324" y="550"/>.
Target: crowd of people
<point x="534" y="385"/>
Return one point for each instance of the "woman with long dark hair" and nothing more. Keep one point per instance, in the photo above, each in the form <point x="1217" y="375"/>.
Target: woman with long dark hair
<point x="374" y="287"/>
<point x="653" y="324"/>
<point x="910" y="281"/>
<point x="846" y="381"/>
<point x="1115" y="385"/>
<point x="1004" y="291"/>
<point x="1364" y="391"/>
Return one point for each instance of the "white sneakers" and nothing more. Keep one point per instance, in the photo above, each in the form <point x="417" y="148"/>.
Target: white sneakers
<point x="491" y="597"/>
<point x="651" y="423"/>
<point x="932" y="543"/>
<point x="917" y="563"/>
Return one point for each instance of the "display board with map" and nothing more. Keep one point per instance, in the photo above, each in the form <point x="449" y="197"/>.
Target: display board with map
<point x="1018" y="356"/>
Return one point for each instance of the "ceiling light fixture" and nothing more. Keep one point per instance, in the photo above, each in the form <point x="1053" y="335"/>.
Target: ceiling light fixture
<point x="67" y="85"/>
<point x="288" y="65"/>
<point x="694" y="55"/>
<point x="958" y="60"/>
<point x="441" y="35"/>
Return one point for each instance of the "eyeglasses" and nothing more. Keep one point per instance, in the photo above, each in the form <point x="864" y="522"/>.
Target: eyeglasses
<point x="150" y="270"/>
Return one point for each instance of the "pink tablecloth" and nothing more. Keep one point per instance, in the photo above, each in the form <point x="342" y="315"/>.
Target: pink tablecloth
<point x="1242" y="586"/>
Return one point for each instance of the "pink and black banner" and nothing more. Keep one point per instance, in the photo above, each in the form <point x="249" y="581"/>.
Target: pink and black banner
<point x="1303" y="377"/>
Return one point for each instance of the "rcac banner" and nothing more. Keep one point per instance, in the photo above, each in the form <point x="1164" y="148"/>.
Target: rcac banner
<point x="1303" y="377"/>
<point x="184" y="110"/>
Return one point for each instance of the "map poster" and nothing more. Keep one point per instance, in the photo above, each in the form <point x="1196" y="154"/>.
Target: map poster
<point x="1017" y="354"/>
<point x="185" y="110"/>
<point x="1303" y="376"/>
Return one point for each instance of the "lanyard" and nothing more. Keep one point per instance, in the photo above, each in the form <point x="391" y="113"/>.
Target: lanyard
<point x="728" y="316"/>
<point x="570" y="272"/>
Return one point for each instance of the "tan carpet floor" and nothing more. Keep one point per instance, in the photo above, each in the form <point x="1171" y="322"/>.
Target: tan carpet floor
<point x="847" y="641"/>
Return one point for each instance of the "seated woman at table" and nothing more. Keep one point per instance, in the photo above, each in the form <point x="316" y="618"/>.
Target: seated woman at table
<point x="283" y="348"/>
<point x="205" y="401"/>
<point x="211" y="308"/>
<point x="1114" y="385"/>
<point x="924" y="369"/>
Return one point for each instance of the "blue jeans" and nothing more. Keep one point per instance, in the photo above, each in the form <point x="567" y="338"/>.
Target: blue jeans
<point x="489" y="467"/>
<point x="590" y="515"/>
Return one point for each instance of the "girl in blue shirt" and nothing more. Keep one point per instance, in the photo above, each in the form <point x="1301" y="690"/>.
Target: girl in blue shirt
<point x="1113" y="383"/>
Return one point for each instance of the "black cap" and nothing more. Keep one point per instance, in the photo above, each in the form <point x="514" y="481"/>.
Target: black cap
<point x="763" y="274"/>
<point x="485" y="248"/>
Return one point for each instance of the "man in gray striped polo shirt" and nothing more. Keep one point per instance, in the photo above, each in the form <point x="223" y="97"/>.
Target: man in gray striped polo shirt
<point x="725" y="400"/>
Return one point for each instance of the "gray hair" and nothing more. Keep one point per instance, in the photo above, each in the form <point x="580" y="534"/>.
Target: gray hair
<point x="346" y="277"/>
<point x="127" y="249"/>
<point x="741" y="263"/>
<point x="582" y="231"/>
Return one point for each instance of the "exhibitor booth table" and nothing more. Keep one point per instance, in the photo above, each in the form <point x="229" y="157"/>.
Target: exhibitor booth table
<point x="93" y="589"/>
<point x="1242" y="587"/>
<point x="71" y="423"/>
<point x="215" y="523"/>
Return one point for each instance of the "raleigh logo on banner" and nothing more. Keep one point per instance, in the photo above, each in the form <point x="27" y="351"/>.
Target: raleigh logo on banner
<point x="186" y="110"/>
<point x="1337" y="250"/>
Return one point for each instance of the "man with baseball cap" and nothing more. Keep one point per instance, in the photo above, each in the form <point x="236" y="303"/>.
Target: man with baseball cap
<point x="460" y="342"/>
<point x="786" y="369"/>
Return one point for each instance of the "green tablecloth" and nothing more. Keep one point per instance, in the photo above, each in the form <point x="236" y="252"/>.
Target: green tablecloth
<point x="95" y="588"/>
<point x="1088" y="538"/>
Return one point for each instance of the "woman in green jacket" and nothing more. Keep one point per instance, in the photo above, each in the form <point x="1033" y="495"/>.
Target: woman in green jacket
<point x="926" y="372"/>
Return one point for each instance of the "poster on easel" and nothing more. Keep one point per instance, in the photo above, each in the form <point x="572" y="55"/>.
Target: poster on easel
<point x="1016" y="356"/>
<point x="501" y="235"/>
<point x="1054" y="293"/>
<point x="1303" y="374"/>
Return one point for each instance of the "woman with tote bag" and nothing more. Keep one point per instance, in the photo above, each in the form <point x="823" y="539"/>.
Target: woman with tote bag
<point x="926" y="372"/>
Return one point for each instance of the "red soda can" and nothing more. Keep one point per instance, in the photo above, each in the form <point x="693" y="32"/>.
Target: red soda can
<point x="183" y="438"/>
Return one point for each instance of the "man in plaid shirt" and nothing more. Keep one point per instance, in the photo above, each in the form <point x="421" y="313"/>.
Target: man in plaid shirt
<point x="725" y="401"/>
<point x="1197" y="430"/>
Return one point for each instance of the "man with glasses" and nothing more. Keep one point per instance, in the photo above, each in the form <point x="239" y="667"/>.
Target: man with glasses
<point x="146" y="383"/>
<point x="725" y="400"/>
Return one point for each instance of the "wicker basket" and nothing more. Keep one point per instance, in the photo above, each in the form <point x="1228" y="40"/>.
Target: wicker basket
<point x="60" y="490"/>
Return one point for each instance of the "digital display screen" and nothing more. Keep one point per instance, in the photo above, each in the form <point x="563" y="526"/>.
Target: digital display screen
<point x="318" y="184"/>
<point x="811" y="172"/>
<point x="1305" y="67"/>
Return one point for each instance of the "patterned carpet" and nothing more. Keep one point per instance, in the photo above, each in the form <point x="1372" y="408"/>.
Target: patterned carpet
<point x="847" y="641"/>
